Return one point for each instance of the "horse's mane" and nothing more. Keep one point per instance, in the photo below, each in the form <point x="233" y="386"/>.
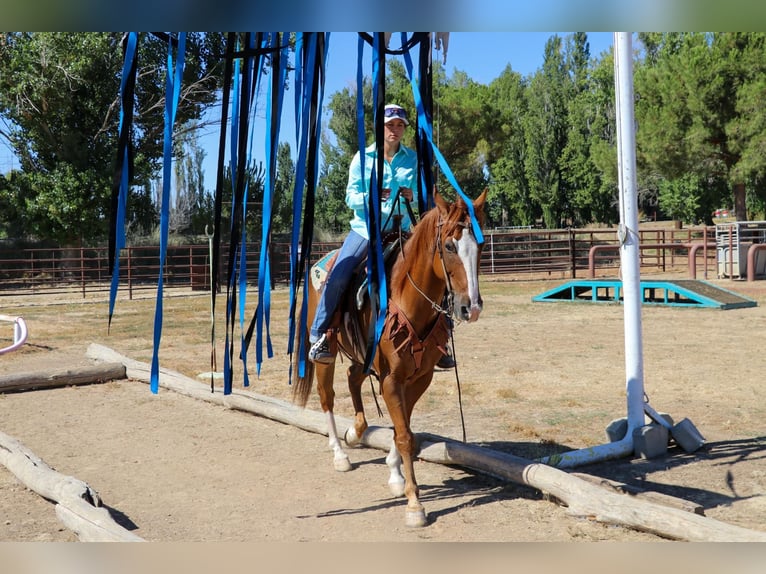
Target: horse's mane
<point x="422" y="241"/>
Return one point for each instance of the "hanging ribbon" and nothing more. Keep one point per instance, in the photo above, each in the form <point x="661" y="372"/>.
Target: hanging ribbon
<point x="173" y="91"/>
<point x="376" y="271"/>
<point x="123" y="171"/>
<point x="275" y="99"/>
<point x="218" y="200"/>
<point x="424" y="151"/>
<point x="427" y="127"/>
<point x="239" y="179"/>
<point x="242" y="272"/>
<point x="312" y="79"/>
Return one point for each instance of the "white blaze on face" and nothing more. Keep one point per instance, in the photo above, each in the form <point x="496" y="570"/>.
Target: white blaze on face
<point x="468" y="251"/>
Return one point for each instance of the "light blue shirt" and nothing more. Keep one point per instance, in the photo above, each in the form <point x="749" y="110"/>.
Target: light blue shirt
<point x="401" y="171"/>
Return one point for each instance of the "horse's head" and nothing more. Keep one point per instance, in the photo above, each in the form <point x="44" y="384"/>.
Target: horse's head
<point x="458" y="254"/>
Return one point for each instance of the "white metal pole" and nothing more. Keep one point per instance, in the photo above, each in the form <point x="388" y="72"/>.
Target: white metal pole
<point x="630" y="265"/>
<point x="628" y="230"/>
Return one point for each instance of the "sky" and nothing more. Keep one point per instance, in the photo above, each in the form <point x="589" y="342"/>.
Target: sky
<point x="481" y="55"/>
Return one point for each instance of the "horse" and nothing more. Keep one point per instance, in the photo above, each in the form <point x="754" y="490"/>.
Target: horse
<point x="440" y="257"/>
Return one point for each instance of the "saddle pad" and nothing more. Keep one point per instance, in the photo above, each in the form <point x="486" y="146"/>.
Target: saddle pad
<point x="321" y="268"/>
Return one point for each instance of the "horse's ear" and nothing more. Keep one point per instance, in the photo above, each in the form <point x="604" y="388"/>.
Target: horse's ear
<point x="478" y="203"/>
<point x="440" y="202"/>
<point x="478" y="206"/>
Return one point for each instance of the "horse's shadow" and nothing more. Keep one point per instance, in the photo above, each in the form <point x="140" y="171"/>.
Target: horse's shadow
<point x="471" y="489"/>
<point x="475" y="488"/>
<point x="637" y="472"/>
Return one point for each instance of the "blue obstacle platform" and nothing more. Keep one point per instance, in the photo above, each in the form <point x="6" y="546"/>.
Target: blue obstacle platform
<point x="678" y="293"/>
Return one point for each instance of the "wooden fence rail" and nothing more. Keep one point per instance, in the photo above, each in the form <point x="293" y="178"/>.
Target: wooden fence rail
<point x="516" y="254"/>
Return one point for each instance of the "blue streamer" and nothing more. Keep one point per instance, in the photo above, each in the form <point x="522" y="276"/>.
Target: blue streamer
<point x="233" y="164"/>
<point x="376" y="273"/>
<point x="306" y="64"/>
<point x="173" y="88"/>
<point x="305" y="78"/>
<point x="263" y="311"/>
<point x="243" y="239"/>
<point x="428" y="130"/>
<point x="130" y="55"/>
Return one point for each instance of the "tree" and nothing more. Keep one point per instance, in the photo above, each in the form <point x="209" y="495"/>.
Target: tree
<point x="545" y="130"/>
<point x="589" y="158"/>
<point x="59" y="93"/>
<point x="699" y="112"/>
<point x="191" y="209"/>
<point x="463" y="132"/>
<point x="510" y="201"/>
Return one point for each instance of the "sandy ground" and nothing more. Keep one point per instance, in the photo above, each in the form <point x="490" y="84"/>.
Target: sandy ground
<point x="535" y="379"/>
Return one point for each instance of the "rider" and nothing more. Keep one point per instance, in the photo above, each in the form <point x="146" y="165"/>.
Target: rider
<point x="399" y="178"/>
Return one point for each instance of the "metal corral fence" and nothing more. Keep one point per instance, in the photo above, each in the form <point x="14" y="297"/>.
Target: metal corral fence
<point x="516" y="254"/>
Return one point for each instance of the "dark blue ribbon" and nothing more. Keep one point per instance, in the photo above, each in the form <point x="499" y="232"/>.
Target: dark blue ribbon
<point x="273" y="116"/>
<point x="173" y="91"/>
<point x="127" y="85"/>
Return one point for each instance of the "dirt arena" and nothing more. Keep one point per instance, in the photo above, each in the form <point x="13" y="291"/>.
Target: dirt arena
<point x="535" y="379"/>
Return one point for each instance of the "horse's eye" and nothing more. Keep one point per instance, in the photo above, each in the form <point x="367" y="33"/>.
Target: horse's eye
<point x="450" y="246"/>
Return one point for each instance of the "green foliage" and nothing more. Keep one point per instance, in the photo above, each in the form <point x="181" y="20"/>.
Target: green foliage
<point x="59" y="95"/>
<point x="700" y="112"/>
<point x="680" y="198"/>
<point x="282" y="207"/>
<point x="545" y="129"/>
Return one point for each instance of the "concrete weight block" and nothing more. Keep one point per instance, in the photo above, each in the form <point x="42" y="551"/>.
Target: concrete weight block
<point x="650" y="441"/>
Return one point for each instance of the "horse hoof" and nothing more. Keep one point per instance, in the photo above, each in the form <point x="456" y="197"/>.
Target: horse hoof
<point x="342" y="464"/>
<point x="415" y="518"/>
<point x="351" y="438"/>
<point x="396" y="487"/>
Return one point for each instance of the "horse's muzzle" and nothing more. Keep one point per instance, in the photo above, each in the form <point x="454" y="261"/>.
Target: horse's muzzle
<point x="469" y="313"/>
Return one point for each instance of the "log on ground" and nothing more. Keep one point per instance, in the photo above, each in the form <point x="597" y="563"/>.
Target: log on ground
<point x="89" y="374"/>
<point x="78" y="506"/>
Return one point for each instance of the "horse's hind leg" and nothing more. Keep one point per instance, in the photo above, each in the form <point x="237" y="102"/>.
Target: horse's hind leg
<point x="354" y="433"/>
<point x="324" y="376"/>
<point x="356" y="377"/>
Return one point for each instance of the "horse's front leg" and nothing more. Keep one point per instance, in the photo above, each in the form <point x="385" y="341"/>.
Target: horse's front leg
<point x="324" y="376"/>
<point x="394" y="396"/>
<point x="395" y="478"/>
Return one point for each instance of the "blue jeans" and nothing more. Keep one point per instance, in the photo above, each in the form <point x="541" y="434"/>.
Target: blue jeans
<point x="352" y="252"/>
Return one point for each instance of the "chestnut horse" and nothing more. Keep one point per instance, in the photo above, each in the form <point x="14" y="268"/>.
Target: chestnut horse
<point x="440" y="258"/>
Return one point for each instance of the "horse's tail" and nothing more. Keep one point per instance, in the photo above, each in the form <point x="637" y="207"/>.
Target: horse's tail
<point x="302" y="384"/>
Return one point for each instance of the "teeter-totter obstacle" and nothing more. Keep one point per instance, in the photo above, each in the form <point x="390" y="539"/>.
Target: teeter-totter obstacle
<point x="676" y="293"/>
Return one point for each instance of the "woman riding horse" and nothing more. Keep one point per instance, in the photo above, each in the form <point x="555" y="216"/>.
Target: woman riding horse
<point x="441" y="257"/>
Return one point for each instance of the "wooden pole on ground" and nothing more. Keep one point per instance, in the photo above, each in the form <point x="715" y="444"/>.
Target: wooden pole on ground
<point x="582" y="497"/>
<point x="85" y="375"/>
<point x="78" y="506"/>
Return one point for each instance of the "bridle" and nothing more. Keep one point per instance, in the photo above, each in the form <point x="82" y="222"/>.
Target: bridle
<point x="449" y="311"/>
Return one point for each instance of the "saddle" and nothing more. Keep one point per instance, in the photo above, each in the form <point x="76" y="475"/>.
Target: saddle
<point x="392" y="244"/>
<point x="356" y="293"/>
